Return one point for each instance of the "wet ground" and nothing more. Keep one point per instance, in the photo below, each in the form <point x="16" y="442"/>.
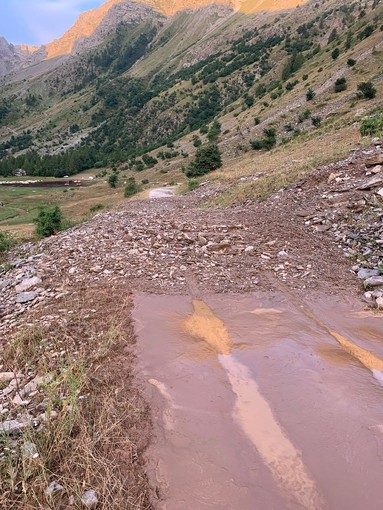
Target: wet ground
<point x="263" y="402"/>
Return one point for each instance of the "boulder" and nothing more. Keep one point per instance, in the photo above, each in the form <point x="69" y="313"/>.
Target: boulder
<point x="27" y="284"/>
<point x="25" y="297"/>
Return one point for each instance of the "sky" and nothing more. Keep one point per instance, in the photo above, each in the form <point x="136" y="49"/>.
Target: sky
<point x="36" y="22"/>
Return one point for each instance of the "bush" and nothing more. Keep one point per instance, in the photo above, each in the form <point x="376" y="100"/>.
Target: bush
<point x="113" y="180"/>
<point x="268" y="142"/>
<point x="48" y="221"/>
<point x="316" y="121"/>
<point x="340" y="85"/>
<point x="131" y="188"/>
<point x="372" y="126"/>
<point x="335" y="54"/>
<point x="192" y="184"/>
<point x="367" y="90"/>
<point x="6" y="242"/>
<point x="310" y="94"/>
<point x="207" y="159"/>
<point x="149" y="160"/>
<point x="351" y="62"/>
<point x="96" y="207"/>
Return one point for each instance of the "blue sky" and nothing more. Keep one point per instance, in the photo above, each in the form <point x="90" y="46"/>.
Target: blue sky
<point x="39" y="21"/>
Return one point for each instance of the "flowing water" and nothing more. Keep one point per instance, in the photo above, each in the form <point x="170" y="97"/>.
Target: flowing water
<point x="260" y="404"/>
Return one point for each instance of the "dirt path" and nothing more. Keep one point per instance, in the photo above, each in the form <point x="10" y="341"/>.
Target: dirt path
<point x="257" y="404"/>
<point x="262" y="365"/>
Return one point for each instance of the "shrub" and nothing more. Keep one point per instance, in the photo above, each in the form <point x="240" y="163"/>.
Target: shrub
<point x="96" y="207"/>
<point x="207" y="159"/>
<point x="316" y="121"/>
<point x="192" y="184"/>
<point x="113" y="180"/>
<point x="351" y="62"/>
<point x="310" y="94"/>
<point x="196" y="141"/>
<point x="131" y="188"/>
<point x="335" y="54"/>
<point x="372" y="126"/>
<point x="6" y="242"/>
<point x="257" y="121"/>
<point x="145" y="181"/>
<point x="149" y="160"/>
<point x="340" y="85"/>
<point x="268" y="142"/>
<point x="367" y="90"/>
<point x="48" y="221"/>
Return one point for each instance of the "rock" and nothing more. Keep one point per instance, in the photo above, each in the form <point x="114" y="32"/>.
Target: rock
<point x="379" y="303"/>
<point x="283" y="254"/>
<point x="364" y="273"/>
<point x="29" y="450"/>
<point x="25" y="297"/>
<point x="374" y="161"/>
<point x="249" y="249"/>
<point x="371" y="182"/>
<point x="305" y="213"/>
<point x="54" y="489"/>
<point x="90" y="499"/>
<point x="380" y="192"/>
<point x="376" y="169"/>
<point x="13" y="426"/>
<point x="5" y="283"/>
<point x="369" y="299"/>
<point x="27" y="284"/>
<point x="374" y="281"/>
<point x="6" y="377"/>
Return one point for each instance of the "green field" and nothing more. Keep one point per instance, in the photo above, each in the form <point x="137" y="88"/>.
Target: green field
<point x="19" y="206"/>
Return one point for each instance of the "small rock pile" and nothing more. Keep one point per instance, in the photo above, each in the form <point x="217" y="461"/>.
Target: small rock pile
<point x="345" y="200"/>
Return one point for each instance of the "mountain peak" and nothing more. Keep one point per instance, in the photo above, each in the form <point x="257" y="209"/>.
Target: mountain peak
<point x="89" y="21"/>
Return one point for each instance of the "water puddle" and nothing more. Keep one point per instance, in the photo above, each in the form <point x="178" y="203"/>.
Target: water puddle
<point x="253" y="413"/>
<point x="292" y="422"/>
<point x="367" y="358"/>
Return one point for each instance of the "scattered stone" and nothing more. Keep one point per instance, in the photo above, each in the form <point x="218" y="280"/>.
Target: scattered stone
<point x="374" y="281"/>
<point x="25" y="297"/>
<point x="29" y="450"/>
<point x="54" y="489"/>
<point x="90" y="499"/>
<point x="379" y="303"/>
<point x="28" y="284"/>
<point x="6" y="377"/>
<point x="12" y="427"/>
<point x="364" y="273"/>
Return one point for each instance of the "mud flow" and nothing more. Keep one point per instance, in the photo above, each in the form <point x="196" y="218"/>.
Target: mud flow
<point x="258" y="403"/>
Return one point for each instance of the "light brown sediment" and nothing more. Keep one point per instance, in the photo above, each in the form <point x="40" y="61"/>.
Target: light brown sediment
<point x="205" y="325"/>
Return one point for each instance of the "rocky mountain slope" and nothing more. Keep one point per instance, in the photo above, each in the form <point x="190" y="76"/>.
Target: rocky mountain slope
<point x="143" y="82"/>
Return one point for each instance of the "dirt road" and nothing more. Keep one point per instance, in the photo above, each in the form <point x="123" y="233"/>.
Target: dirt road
<point x="260" y="402"/>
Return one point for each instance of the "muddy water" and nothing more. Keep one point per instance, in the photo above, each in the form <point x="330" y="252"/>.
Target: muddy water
<point x="260" y="404"/>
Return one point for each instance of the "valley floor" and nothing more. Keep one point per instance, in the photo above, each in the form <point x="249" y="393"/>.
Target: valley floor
<point x="292" y="260"/>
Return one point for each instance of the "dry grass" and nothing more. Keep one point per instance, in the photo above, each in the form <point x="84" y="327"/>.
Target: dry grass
<point x="284" y="165"/>
<point x="102" y="428"/>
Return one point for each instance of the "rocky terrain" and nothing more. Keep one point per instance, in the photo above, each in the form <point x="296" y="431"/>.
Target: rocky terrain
<point x="322" y="234"/>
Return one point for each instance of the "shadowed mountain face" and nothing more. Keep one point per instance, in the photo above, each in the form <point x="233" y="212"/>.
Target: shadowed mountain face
<point x="89" y="21"/>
